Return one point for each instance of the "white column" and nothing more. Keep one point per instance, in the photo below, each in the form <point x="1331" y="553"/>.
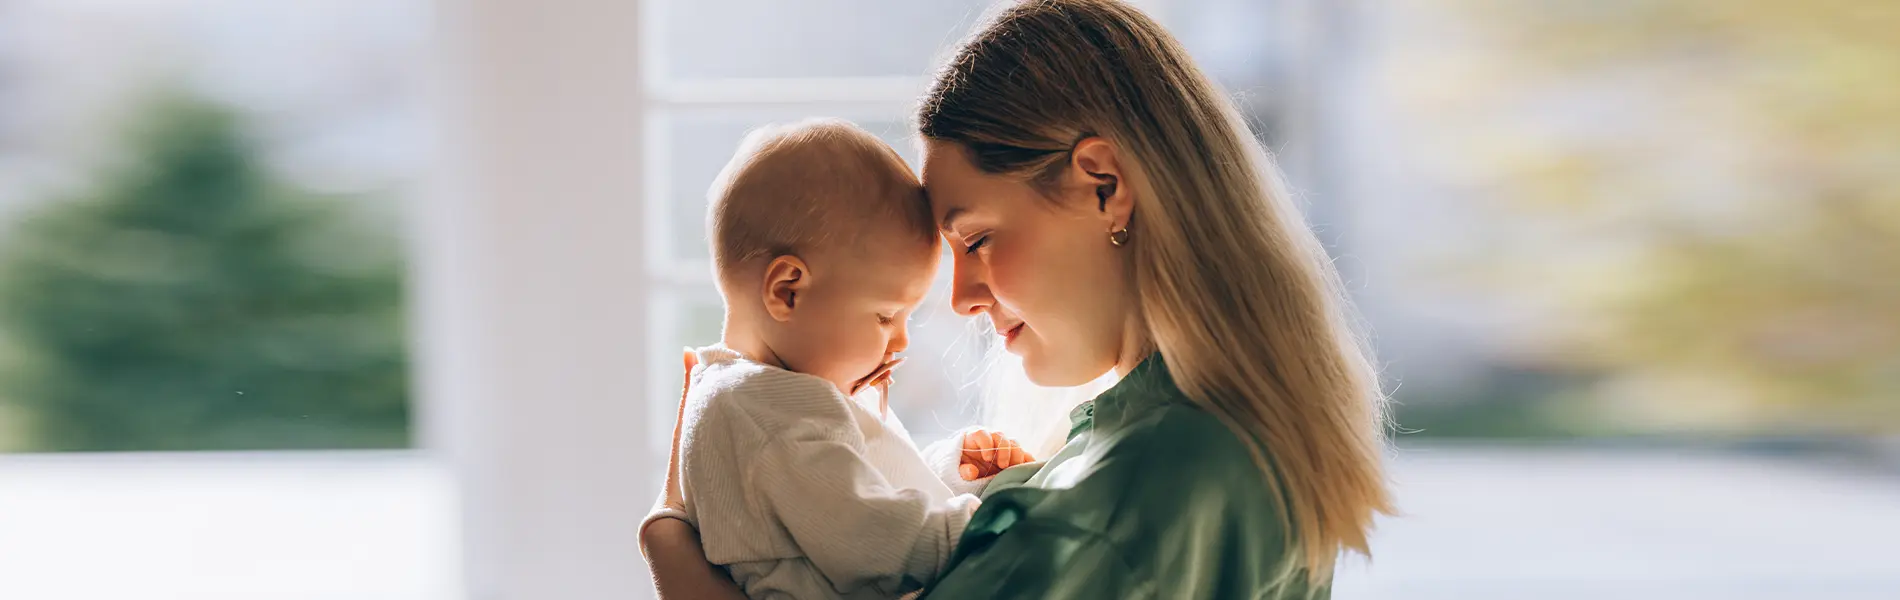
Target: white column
<point x="529" y="295"/>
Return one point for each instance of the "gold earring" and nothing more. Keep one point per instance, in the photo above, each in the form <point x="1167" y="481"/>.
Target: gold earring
<point x="1118" y="237"/>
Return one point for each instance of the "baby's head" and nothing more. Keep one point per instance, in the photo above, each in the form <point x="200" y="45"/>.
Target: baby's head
<point x="823" y="245"/>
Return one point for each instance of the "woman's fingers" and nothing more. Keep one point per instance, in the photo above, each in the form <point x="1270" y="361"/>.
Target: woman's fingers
<point x="671" y="546"/>
<point x="673" y="496"/>
<point x="998" y="446"/>
<point x="969" y="472"/>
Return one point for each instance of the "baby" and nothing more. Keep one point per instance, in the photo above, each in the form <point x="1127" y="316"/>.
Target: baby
<point x="800" y="481"/>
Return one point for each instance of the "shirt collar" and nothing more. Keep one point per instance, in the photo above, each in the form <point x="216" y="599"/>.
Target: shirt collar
<point x="1148" y="384"/>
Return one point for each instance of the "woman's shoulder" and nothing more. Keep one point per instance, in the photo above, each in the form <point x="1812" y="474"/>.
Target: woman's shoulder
<point x="1148" y="420"/>
<point x="1175" y="449"/>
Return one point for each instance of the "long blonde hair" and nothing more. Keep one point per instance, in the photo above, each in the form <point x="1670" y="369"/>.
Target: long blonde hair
<point x="1234" y="289"/>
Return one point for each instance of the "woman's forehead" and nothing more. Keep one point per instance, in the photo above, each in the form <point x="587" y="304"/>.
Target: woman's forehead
<point x="947" y="218"/>
<point x="945" y="207"/>
<point x="945" y="176"/>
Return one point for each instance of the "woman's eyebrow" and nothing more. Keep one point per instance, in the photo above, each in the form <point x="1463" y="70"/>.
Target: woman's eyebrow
<point x="949" y="217"/>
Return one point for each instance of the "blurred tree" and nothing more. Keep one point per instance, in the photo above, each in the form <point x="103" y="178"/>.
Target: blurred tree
<point x="188" y="301"/>
<point x="1716" y="186"/>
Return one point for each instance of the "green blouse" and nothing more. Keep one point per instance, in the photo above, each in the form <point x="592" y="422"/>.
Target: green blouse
<point x="1150" y="498"/>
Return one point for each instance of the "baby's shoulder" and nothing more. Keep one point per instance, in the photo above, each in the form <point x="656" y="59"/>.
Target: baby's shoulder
<point x="767" y="397"/>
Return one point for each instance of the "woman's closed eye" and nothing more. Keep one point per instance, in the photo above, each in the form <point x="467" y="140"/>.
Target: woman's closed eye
<point x="885" y="319"/>
<point x="978" y="243"/>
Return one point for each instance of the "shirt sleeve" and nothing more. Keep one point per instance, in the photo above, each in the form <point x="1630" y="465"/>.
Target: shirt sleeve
<point x="855" y="527"/>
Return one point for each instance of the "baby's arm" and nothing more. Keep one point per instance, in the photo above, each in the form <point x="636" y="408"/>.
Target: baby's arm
<point x="849" y="522"/>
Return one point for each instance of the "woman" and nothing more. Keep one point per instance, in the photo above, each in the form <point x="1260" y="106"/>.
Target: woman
<point x="1108" y="211"/>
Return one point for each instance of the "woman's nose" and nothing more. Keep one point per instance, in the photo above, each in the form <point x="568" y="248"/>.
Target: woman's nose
<point x="969" y="290"/>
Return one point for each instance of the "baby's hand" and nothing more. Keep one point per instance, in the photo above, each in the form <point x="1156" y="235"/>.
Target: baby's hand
<point x="987" y="453"/>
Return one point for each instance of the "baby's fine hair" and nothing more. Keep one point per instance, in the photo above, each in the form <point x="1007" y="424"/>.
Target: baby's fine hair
<point x="798" y="187"/>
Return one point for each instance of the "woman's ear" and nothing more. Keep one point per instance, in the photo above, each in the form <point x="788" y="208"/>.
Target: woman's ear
<point x="1096" y="166"/>
<point x="785" y="278"/>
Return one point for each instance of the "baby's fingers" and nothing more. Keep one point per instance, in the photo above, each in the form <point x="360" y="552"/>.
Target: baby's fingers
<point x="1006" y="456"/>
<point x="979" y="450"/>
<point x="1017" y="455"/>
<point x="973" y="444"/>
<point x="969" y="472"/>
<point x="985" y="447"/>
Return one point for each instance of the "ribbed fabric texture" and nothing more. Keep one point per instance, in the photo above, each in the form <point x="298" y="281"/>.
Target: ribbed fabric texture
<point x="802" y="492"/>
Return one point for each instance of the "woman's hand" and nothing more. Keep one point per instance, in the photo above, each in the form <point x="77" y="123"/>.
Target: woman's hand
<point x="986" y="453"/>
<point x="679" y="567"/>
<point x="671" y="545"/>
<point x="671" y="496"/>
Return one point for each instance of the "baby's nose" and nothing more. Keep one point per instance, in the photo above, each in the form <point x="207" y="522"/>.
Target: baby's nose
<point x="899" y="342"/>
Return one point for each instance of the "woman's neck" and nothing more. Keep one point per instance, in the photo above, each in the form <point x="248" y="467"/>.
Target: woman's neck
<point x="1136" y="347"/>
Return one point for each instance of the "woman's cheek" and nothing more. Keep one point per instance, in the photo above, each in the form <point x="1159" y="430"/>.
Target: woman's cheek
<point x="1006" y="276"/>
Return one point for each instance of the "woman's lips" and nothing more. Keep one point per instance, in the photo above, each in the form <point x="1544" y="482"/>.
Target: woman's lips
<point x="1009" y="336"/>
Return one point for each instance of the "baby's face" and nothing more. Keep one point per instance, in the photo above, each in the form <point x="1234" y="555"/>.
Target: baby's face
<point x="856" y="315"/>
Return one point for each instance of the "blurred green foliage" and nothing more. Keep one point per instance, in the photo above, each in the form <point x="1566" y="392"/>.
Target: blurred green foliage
<point x="188" y="301"/>
<point x="1505" y="402"/>
<point x="1716" y="188"/>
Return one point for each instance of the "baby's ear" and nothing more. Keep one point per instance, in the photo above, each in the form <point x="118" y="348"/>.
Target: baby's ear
<point x="786" y="277"/>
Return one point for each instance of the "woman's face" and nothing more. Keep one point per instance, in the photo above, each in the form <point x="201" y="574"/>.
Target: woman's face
<point x="1042" y="269"/>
